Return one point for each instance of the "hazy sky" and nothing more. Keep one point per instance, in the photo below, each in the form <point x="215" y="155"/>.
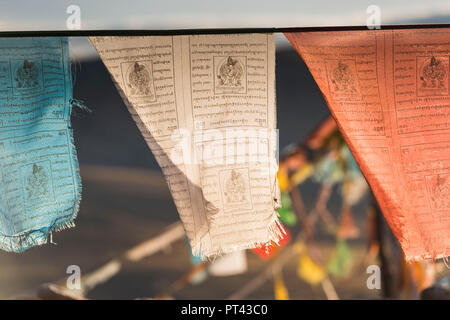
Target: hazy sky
<point x="177" y="14"/>
<point x="173" y="14"/>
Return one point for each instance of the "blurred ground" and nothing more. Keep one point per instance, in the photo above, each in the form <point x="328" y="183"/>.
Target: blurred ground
<point x="122" y="207"/>
<point x="126" y="201"/>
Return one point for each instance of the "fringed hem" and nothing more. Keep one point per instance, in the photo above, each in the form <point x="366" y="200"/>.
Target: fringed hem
<point x="427" y="257"/>
<point x="275" y="231"/>
<point x="39" y="236"/>
<point x="28" y="239"/>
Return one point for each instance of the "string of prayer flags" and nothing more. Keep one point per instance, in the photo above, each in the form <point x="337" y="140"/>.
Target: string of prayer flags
<point x="301" y="162"/>
<point x="388" y="91"/>
<point x="279" y="287"/>
<point x="302" y="173"/>
<point x="326" y="158"/>
<point x="205" y="104"/>
<point x="329" y="170"/>
<point x="41" y="188"/>
<point x="337" y="166"/>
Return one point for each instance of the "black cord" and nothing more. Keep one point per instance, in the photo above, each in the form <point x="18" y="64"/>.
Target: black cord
<point x="87" y="33"/>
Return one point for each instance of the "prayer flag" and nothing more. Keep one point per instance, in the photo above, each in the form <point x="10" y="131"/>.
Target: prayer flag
<point x="40" y="186"/>
<point x="388" y="91"/>
<point x="205" y="105"/>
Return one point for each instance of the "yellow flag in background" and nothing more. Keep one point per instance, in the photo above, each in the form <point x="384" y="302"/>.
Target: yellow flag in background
<point x="308" y="269"/>
<point x="280" y="290"/>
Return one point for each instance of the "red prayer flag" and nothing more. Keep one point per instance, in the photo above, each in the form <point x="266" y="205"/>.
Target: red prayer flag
<point x="388" y="91"/>
<point x="267" y="252"/>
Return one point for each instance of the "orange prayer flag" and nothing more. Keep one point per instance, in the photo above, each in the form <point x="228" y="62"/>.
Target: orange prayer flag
<point x="347" y="229"/>
<point x="280" y="290"/>
<point x="388" y="91"/>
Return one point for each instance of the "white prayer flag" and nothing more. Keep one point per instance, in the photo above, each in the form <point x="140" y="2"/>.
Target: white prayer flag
<point x="205" y="105"/>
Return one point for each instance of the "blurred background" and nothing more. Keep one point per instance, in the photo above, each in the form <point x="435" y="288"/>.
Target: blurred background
<point x="125" y="200"/>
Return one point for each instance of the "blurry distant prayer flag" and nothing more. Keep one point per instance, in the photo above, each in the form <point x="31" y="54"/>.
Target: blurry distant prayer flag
<point x="280" y="290"/>
<point x="287" y="215"/>
<point x="340" y="263"/>
<point x="388" y="91"/>
<point x="347" y="227"/>
<point x="308" y="269"/>
<point x="229" y="265"/>
<point x="41" y="188"/>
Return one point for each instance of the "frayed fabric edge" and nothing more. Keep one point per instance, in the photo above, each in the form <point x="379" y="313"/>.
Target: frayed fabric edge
<point x="275" y="231"/>
<point x="39" y="236"/>
<point x="426" y="257"/>
<point x="32" y="238"/>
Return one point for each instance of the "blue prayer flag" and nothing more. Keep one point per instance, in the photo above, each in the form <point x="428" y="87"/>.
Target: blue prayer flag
<point x="40" y="187"/>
